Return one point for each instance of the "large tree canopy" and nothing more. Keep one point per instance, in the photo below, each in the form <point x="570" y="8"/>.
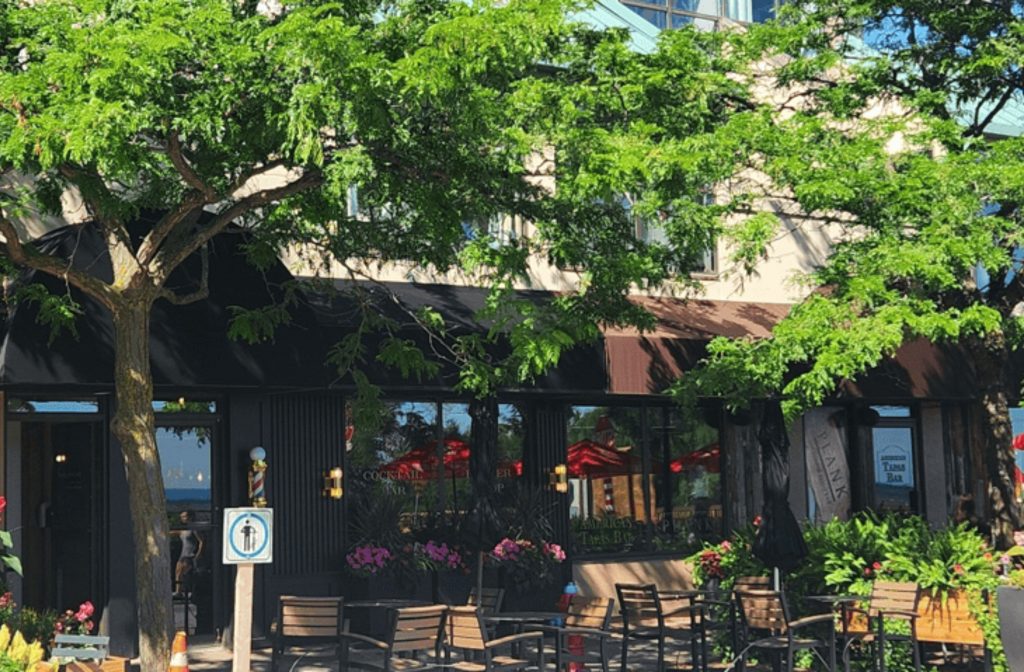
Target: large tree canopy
<point x="212" y="113"/>
<point x="889" y="139"/>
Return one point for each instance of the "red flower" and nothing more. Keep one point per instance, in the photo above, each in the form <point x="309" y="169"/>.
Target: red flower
<point x="757" y="521"/>
<point x="877" y="566"/>
<point x="958" y="568"/>
<point x="988" y="556"/>
<point x="85" y="610"/>
<point x="3" y="503"/>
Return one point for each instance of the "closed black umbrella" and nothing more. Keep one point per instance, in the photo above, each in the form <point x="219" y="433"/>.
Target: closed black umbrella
<point x="779" y="541"/>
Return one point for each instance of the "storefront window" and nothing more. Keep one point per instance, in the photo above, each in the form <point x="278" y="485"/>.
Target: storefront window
<point x="688" y="480"/>
<point x="892" y="460"/>
<point x="402" y="482"/>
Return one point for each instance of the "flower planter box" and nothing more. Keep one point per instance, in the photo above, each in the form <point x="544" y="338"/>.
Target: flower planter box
<point x="112" y="664"/>
<point x="950" y="622"/>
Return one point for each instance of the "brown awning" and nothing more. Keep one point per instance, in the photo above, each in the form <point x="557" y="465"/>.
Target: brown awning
<point x="647" y="363"/>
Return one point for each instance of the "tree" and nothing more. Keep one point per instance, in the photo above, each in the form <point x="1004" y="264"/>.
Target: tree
<point x="925" y="202"/>
<point x="213" y="114"/>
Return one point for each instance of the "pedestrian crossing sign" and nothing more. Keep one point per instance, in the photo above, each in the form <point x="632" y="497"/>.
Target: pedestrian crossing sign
<point x="248" y="535"/>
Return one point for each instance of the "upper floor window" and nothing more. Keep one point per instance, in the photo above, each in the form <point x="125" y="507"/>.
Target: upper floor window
<point x="704" y="14"/>
<point x="502" y="229"/>
<point x="652" y="231"/>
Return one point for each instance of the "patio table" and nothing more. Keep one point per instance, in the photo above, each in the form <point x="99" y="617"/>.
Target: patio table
<point x="388" y="603"/>
<point x="520" y="619"/>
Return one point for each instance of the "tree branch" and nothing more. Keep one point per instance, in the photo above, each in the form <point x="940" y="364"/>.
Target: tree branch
<point x="28" y="257"/>
<point x="979" y="126"/>
<point x="170" y="257"/>
<point x="181" y="164"/>
<point x="204" y="284"/>
<point x="156" y="236"/>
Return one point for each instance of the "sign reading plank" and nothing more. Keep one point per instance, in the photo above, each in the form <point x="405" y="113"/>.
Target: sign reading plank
<point x="827" y="468"/>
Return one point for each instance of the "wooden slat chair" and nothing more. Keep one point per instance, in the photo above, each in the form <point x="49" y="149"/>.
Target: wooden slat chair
<point x="465" y="631"/>
<point x="81" y="647"/>
<point x="895" y="600"/>
<point x="770" y="629"/>
<point x="744" y="583"/>
<point x="488" y="600"/>
<point x="413" y="632"/>
<point x="307" y="620"/>
<point x="585" y="635"/>
<point x="649" y="616"/>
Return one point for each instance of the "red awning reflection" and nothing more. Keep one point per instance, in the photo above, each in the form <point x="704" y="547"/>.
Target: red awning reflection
<point x="708" y="457"/>
<point x="420" y="464"/>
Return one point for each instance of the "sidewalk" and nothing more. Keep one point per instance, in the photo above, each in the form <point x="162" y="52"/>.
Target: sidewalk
<point x="216" y="658"/>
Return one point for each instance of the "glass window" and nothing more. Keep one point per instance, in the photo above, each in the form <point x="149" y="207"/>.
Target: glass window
<point x="17" y="405"/>
<point x="892" y="411"/>
<point x="893" y="466"/>
<point x="608" y="508"/>
<point x="688" y="479"/>
<point x="658" y="17"/>
<point x="185" y="459"/>
<point x="183" y="405"/>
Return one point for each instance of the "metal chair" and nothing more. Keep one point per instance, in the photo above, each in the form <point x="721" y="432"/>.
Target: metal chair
<point x="414" y="631"/>
<point x="889" y="600"/>
<point x="465" y="630"/>
<point x="765" y="615"/>
<point x="652" y="616"/>
<point x="306" y="620"/>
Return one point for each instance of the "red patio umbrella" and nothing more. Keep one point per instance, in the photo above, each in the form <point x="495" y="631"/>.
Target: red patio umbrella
<point x="707" y="457"/>
<point x="420" y="464"/>
<point x="589" y="459"/>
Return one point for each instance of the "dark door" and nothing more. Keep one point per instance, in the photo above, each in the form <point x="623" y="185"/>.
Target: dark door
<point x="62" y="528"/>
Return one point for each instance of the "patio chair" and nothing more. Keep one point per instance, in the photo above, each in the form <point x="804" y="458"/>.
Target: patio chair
<point x="648" y="615"/>
<point x="414" y="632"/>
<point x="466" y="631"/>
<point x="767" y="621"/>
<point x="896" y="600"/>
<point x="585" y="635"/>
<point x="306" y="620"/>
<point x="488" y="600"/>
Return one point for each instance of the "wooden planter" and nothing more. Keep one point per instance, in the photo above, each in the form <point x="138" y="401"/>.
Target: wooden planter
<point x="951" y="622"/>
<point x="111" y="664"/>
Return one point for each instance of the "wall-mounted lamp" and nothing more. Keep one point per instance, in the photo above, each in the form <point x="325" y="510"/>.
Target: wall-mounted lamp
<point x="60" y="458"/>
<point x="333" y="488"/>
<point x="258" y="477"/>
<point x="559" y="478"/>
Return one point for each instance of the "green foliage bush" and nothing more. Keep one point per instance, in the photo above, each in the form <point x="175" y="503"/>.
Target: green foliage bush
<point x="846" y="557"/>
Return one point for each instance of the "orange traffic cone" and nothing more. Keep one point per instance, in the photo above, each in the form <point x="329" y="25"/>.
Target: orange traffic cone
<point x="179" y="654"/>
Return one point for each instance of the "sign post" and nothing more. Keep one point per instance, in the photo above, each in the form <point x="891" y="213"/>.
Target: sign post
<point x="248" y="540"/>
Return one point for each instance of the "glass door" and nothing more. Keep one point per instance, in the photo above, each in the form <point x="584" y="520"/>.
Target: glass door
<point x="186" y="459"/>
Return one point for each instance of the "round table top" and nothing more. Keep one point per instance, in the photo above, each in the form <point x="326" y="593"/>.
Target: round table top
<point x="833" y="599"/>
<point x="523" y="616"/>
<point x="388" y="603"/>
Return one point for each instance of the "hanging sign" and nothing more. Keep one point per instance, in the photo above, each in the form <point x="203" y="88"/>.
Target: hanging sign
<point x="893" y="466"/>
<point x="827" y="469"/>
<point x="248" y="535"/>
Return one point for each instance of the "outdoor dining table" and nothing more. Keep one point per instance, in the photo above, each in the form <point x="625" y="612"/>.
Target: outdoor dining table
<point x="388" y="603"/>
<point x="520" y="619"/>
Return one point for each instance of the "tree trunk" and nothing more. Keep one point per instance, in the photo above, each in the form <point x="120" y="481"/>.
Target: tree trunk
<point x="134" y="427"/>
<point x="992" y="361"/>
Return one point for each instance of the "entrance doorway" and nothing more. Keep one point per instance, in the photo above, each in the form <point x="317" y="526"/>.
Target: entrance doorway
<point x="62" y="515"/>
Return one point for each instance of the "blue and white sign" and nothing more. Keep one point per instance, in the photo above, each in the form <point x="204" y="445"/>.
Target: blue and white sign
<point x="248" y="536"/>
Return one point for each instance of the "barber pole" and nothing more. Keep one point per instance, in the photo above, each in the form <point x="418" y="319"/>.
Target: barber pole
<point x="258" y="477"/>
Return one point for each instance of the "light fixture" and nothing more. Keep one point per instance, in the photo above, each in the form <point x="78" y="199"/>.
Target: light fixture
<point x="258" y="477"/>
<point x="333" y="488"/>
<point x="559" y="478"/>
<point x="60" y="458"/>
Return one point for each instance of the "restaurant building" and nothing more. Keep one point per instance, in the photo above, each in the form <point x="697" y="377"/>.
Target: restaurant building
<point x="645" y="479"/>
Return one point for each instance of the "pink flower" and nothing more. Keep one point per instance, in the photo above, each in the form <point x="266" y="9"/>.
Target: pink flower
<point x="85" y="610"/>
<point x="3" y="503"/>
<point x="958" y="568"/>
<point x="1004" y="559"/>
<point x="876" y="566"/>
<point x="725" y="546"/>
<point x="6" y="600"/>
<point x="555" y="551"/>
<point x="867" y="571"/>
<point x="757" y="521"/>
